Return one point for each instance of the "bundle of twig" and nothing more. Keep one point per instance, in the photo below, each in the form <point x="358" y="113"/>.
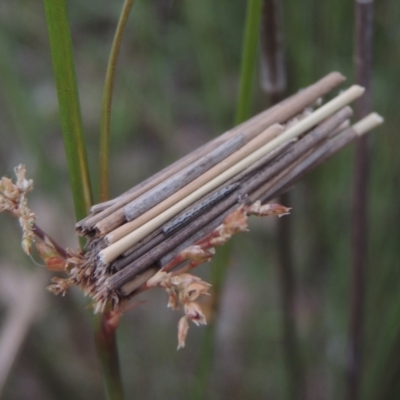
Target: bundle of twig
<point x="150" y="226"/>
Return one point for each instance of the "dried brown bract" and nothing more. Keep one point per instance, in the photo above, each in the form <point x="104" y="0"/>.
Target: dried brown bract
<point x="183" y="289"/>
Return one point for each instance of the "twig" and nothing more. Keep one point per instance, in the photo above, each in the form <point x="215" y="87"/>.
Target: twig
<point x="134" y="267"/>
<point x="197" y="188"/>
<point x="359" y="223"/>
<point x="43" y="236"/>
<point x="167" y="188"/>
<point x="173" y="226"/>
<point x="125" y="280"/>
<point x="321" y="154"/>
<point x="277" y="114"/>
<point x="158" y="236"/>
<point x="130" y="271"/>
<point x="183" y="178"/>
<point x="274" y="82"/>
<point x="114" y="250"/>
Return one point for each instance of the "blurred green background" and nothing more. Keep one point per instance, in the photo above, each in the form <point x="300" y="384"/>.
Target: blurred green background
<point x="176" y="87"/>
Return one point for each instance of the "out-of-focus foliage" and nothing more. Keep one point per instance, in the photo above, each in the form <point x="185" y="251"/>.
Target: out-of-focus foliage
<point x="176" y="87"/>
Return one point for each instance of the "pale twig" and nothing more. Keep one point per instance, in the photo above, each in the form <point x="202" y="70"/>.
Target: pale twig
<point x="278" y="114"/>
<point x="320" y="155"/>
<point x="113" y="251"/>
<point x="168" y="187"/>
<point x="196" y="230"/>
<point x="158" y="236"/>
<point x="284" y="181"/>
<point x="198" y="187"/>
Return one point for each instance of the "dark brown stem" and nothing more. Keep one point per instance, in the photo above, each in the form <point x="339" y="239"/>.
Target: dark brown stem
<point x="359" y="223"/>
<point x="42" y="235"/>
<point x="106" y="343"/>
<point x="272" y="51"/>
<point x="296" y="171"/>
<point x="159" y="235"/>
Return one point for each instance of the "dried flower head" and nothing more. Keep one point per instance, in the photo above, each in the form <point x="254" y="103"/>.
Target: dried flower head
<point x="13" y="200"/>
<point x="183" y="289"/>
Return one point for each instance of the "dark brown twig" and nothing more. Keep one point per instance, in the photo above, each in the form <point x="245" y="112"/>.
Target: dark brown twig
<point x="43" y="236"/>
<point x="279" y="113"/>
<point x="274" y="83"/>
<point x="359" y="223"/>
<point x="248" y="185"/>
<point x="172" y="184"/>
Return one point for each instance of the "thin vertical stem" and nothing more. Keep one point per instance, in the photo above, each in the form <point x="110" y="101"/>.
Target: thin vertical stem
<point x="359" y="231"/>
<point x="249" y="59"/>
<point x="107" y="100"/>
<point x="107" y="323"/>
<point x="274" y="82"/>
<point x="71" y="122"/>
<point x="106" y="343"/>
<point x="222" y="257"/>
<point x="68" y="101"/>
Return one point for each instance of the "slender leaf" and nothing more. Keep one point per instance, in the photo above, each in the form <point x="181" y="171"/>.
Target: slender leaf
<point x="68" y="100"/>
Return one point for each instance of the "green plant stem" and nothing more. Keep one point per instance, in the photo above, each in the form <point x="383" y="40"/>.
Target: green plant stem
<point x="249" y="58"/>
<point x="107" y="101"/>
<point x="71" y="121"/>
<point x="105" y="332"/>
<point x="106" y="344"/>
<point x="218" y="273"/>
<point x="204" y="26"/>
<point x="275" y="85"/>
<point x="222" y="257"/>
<point x="68" y="100"/>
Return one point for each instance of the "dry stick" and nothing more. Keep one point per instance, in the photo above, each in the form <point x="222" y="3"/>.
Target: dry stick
<point x="158" y="236"/>
<point x="168" y="229"/>
<point x="89" y="222"/>
<point x="277" y="114"/>
<point x="178" y="181"/>
<point x="43" y="236"/>
<point x="296" y="103"/>
<point x="251" y="127"/>
<point x="143" y="246"/>
<point x="113" y="251"/>
<point x="259" y="192"/>
<point x="120" y="232"/>
<point x="248" y="185"/>
<point x="321" y="154"/>
<point x="274" y="83"/>
<point x="128" y="273"/>
<point x="171" y="185"/>
<point x="290" y="175"/>
<point x="288" y="178"/>
<point x="278" y="179"/>
<point x="301" y="148"/>
<point x="135" y="283"/>
<point x="192" y="187"/>
<point x="191" y="212"/>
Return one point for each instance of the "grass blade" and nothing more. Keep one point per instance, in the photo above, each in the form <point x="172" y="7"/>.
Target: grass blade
<point x="68" y="99"/>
